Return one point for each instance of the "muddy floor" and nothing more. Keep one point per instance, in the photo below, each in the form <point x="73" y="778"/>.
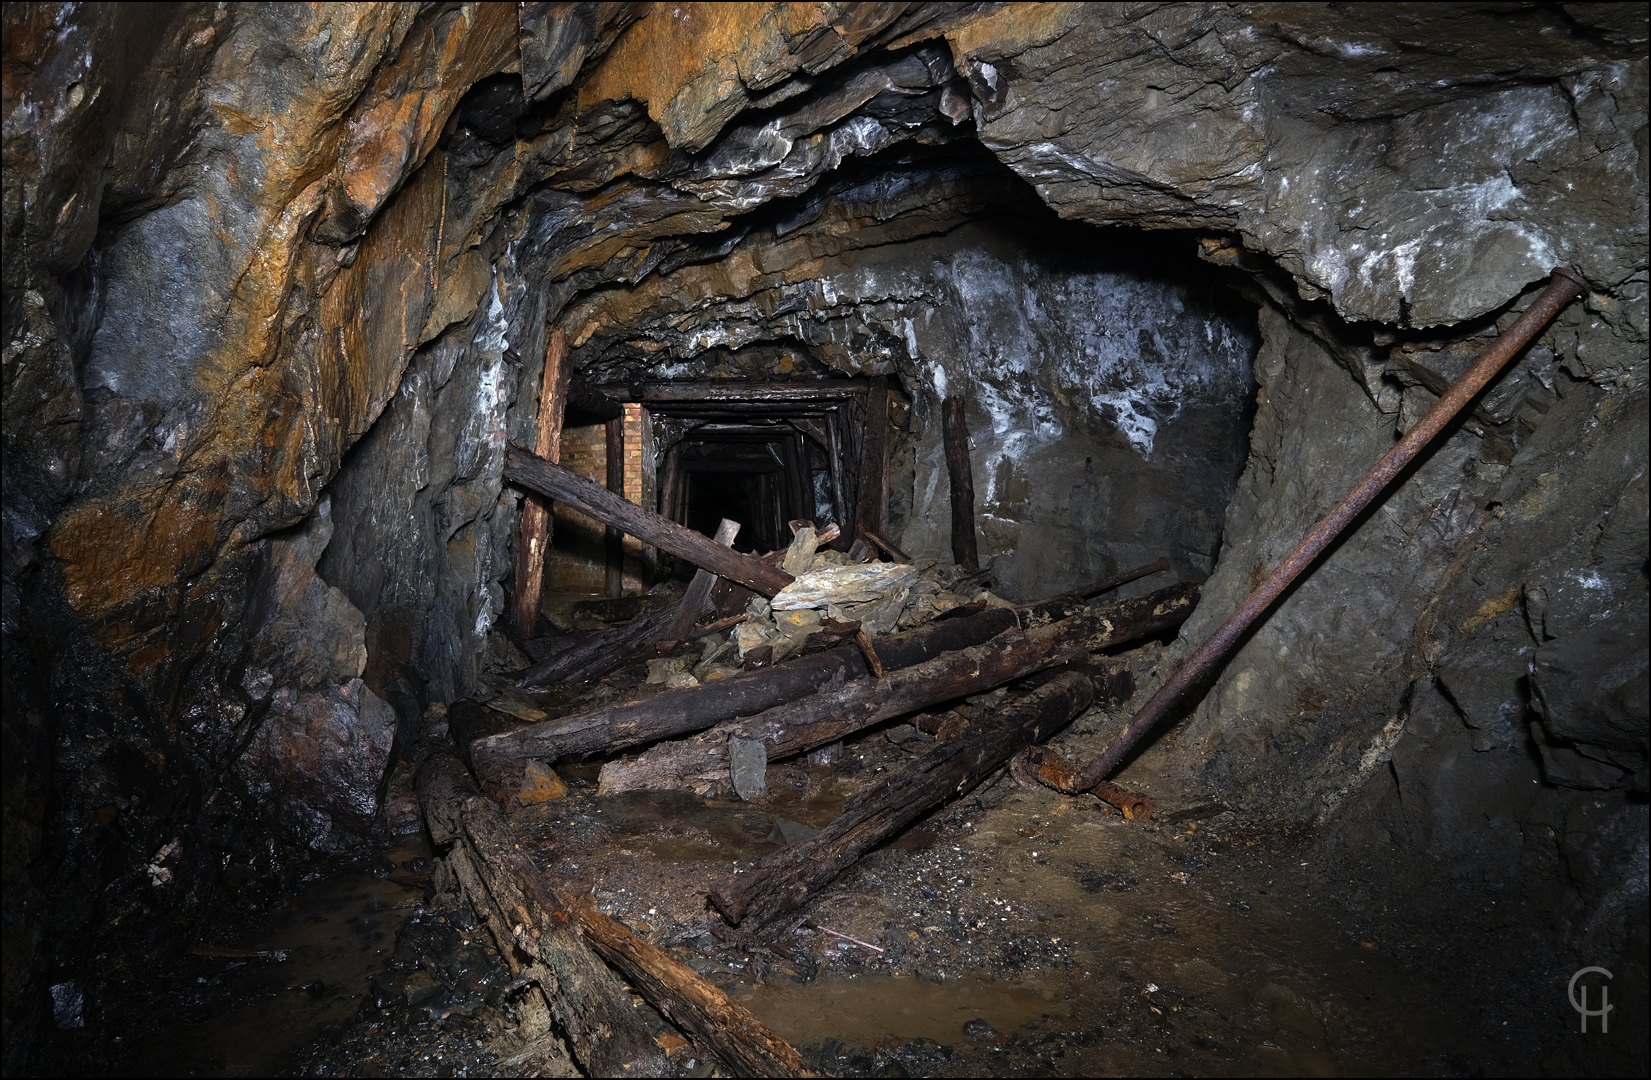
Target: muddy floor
<point x="1013" y="931"/>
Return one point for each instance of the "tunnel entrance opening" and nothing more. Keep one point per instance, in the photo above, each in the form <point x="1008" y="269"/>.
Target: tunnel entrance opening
<point x="761" y="475"/>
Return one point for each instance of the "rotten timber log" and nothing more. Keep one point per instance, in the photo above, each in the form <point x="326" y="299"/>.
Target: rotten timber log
<point x="591" y="499"/>
<point x="599" y="654"/>
<point x="782" y="881"/>
<point x="588" y="1002"/>
<point x="681" y="712"/>
<point x="955" y="431"/>
<point x="834" y="712"/>
<point x="536" y="516"/>
<point x="745" y="1043"/>
<point x="1071" y="603"/>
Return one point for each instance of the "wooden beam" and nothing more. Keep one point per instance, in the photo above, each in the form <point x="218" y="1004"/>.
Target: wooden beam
<point x="670" y="713"/>
<point x="872" y="500"/>
<point x="732" y="390"/>
<point x="800" y="725"/>
<point x="785" y="879"/>
<point x="956" y="434"/>
<point x="537" y="523"/>
<point x="688" y="1000"/>
<point x="589" y="498"/>
<point x="589" y="1002"/>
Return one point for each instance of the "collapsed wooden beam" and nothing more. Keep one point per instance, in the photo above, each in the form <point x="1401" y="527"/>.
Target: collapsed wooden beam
<point x="782" y="881"/>
<point x="746" y="1044"/>
<point x="835" y="712"/>
<point x="598" y="654"/>
<point x="1071" y="603"/>
<point x="536" y="516"/>
<point x="527" y="917"/>
<point x="590" y="498"/>
<point x="589" y="1004"/>
<point x="695" y="708"/>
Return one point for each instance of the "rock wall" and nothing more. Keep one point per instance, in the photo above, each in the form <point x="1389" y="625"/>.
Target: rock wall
<point x="268" y="267"/>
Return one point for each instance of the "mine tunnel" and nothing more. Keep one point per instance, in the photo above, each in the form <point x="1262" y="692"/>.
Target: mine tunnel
<point x="852" y="539"/>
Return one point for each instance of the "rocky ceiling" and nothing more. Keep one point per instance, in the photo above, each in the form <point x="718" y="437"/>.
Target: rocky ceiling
<point x="277" y="276"/>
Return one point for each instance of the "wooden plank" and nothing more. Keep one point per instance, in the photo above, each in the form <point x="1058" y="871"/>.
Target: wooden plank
<point x="593" y="500"/>
<point x="537" y="522"/>
<point x="956" y="434"/>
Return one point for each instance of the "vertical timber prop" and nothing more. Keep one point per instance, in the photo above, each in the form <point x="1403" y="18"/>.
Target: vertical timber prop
<point x="1563" y="287"/>
<point x="536" y="513"/>
<point x="956" y="433"/>
<point x="871" y="504"/>
<point x="614" y="544"/>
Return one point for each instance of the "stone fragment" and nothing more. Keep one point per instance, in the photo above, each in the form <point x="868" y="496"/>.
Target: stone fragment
<point x="799" y="557"/>
<point x="845" y="585"/>
<point x="540" y="784"/>
<point x="748" y="767"/>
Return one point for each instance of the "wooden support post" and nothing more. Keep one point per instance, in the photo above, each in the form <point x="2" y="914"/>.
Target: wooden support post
<point x="835" y="712"/>
<point x="872" y="502"/>
<point x="615" y="540"/>
<point x="694" y="708"/>
<point x="788" y="877"/>
<point x="956" y="433"/>
<point x="537" y="474"/>
<point x="537" y="523"/>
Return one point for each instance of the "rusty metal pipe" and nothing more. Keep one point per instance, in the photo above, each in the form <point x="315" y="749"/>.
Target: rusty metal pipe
<point x="1563" y="287"/>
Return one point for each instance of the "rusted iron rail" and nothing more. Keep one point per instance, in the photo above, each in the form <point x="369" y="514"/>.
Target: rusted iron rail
<point x="1563" y="287"/>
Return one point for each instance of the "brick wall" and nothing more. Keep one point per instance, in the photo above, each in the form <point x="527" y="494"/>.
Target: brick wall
<point x="577" y="559"/>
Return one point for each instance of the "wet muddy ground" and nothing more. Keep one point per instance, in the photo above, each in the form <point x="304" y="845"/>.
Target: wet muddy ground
<point x="1012" y="931"/>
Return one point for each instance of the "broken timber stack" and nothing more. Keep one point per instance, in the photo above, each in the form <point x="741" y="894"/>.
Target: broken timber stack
<point x="553" y="940"/>
<point x="832" y="713"/>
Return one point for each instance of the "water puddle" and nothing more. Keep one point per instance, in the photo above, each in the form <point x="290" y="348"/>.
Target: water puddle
<point x="258" y="1001"/>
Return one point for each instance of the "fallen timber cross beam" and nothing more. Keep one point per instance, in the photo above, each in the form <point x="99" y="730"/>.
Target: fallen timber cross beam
<point x="834" y="712"/>
<point x="684" y="711"/>
<point x="590" y="498"/>
<point x="781" y="881"/>
<point x="1563" y="287"/>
